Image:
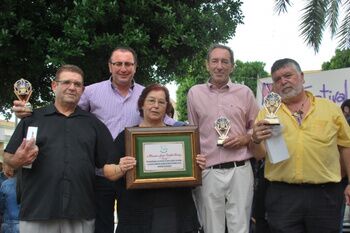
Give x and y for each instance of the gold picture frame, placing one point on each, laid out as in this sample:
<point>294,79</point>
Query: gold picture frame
<point>166,157</point>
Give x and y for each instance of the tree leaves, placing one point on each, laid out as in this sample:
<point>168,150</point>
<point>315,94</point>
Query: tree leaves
<point>317,14</point>
<point>340,60</point>
<point>38,36</point>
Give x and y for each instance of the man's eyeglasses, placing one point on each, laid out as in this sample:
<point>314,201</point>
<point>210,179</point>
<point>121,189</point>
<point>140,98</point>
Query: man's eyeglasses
<point>68,83</point>
<point>120,64</point>
<point>153,101</point>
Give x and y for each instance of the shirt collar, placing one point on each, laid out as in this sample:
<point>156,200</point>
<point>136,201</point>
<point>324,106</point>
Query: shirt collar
<point>51,110</point>
<point>131,87</point>
<point>227,85</point>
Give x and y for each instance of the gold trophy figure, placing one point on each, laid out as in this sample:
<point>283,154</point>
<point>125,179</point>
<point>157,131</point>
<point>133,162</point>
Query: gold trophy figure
<point>222,127</point>
<point>23,90</point>
<point>272,102</point>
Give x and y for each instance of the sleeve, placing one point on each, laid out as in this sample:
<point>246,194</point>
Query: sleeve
<point>168,120</point>
<point>191,112</point>
<point>17,137</point>
<point>343,129</point>
<point>105,147</point>
<point>84,102</point>
<point>252,111</point>
<point>2,199</point>
<point>119,143</point>
<point>261,115</point>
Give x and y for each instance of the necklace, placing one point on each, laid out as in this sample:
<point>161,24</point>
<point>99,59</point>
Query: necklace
<point>299,113</point>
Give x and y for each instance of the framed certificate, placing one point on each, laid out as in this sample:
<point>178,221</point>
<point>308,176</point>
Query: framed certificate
<point>166,157</point>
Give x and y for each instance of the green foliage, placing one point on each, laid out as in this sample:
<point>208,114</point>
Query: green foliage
<point>319,14</point>
<point>248,73</point>
<point>38,36</point>
<point>181,97</point>
<point>245,72</point>
<point>340,60</point>
<point>196,74</point>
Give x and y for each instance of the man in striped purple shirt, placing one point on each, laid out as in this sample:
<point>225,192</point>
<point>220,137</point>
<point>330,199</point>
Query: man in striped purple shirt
<point>114,102</point>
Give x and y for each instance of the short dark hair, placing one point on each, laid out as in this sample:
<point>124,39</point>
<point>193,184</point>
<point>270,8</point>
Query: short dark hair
<point>71,68</point>
<point>220,46</point>
<point>171,110</point>
<point>346,103</point>
<point>124,48</point>
<point>285,62</point>
<point>147,90</point>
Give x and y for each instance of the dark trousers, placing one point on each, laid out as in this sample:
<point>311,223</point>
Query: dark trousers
<point>293,208</point>
<point>344,181</point>
<point>105,194</point>
<point>259,211</point>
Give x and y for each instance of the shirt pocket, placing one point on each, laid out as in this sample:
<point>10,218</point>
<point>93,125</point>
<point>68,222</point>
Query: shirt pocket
<point>321,131</point>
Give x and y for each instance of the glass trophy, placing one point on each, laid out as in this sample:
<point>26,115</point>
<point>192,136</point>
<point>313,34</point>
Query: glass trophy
<point>222,127</point>
<point>23,90</point>
<point>272,102</point>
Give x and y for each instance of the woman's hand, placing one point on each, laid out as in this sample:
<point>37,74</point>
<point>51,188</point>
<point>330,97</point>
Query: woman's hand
<point>115,171</point>
<point>201,161</point>
<point>127,163</point>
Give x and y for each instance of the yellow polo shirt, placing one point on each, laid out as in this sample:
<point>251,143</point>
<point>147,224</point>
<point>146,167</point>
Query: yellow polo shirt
<point>312,146</point>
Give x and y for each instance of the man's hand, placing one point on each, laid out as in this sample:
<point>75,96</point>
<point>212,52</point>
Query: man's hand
<point>8,171</point>
<point>201,161</point>
<point>237,141</point>
<point>347,194</point>
<point>261,131</point>
<point>25,154</point>
<point>20,110</point>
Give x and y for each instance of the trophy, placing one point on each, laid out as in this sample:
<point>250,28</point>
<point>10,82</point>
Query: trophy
<point>23,91</point>
<point>222,127</point>
<point>272,102</point>
<point>276,147</point>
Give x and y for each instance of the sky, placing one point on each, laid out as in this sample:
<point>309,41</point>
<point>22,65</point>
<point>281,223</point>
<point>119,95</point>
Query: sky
<point>266,36</point>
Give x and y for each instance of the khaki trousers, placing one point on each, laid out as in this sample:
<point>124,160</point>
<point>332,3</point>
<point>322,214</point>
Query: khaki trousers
<point>225,193</point>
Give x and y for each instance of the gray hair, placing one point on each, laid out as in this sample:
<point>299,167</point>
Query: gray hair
<point>285,62</point>
<point>220,46</point>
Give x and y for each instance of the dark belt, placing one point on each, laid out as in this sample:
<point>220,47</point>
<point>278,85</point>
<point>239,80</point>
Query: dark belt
<point>229,165</point>
<point>303,184</point>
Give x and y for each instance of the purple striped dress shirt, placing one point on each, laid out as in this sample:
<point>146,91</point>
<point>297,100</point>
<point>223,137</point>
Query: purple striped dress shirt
<point>113,109</point>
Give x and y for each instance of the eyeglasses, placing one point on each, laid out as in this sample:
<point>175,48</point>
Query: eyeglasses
<point>153,101</point>
<point>68,83</point>
<point>120,64</point>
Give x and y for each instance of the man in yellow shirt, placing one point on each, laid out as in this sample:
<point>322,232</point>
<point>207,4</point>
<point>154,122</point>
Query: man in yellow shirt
<point>304,194</point>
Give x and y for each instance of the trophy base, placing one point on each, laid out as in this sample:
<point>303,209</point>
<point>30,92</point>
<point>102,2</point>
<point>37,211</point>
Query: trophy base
<point>220,142</point>
<point>272,121</point>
